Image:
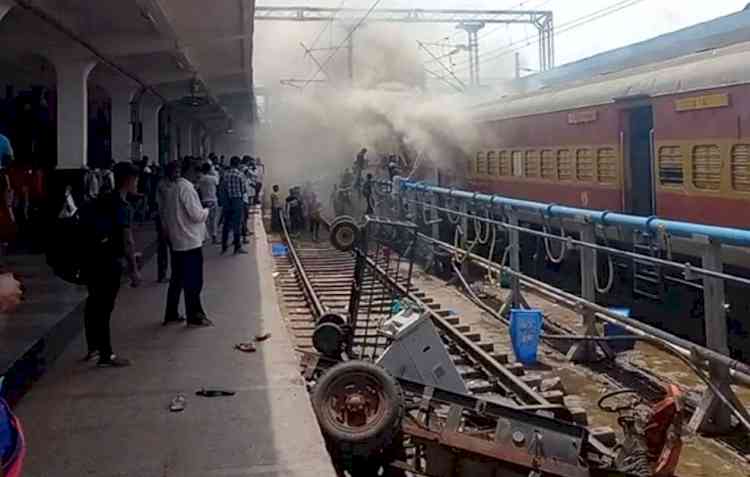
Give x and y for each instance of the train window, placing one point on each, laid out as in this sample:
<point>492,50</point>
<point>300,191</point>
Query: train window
<point>492,167</point>
<point>531,164</point>
<point>606,165</point>
<point>741,167</point>
<point>584,165</point>
<point>481,164</point>
<point>549,166</point>
<point>517,163</point>
<point>670,166</point>
<point>505,164</point>
<point>707,167</point>
<point>564,166</point>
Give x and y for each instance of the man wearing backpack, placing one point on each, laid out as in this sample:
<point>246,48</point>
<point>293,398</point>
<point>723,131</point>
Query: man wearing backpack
<point>111,217</point>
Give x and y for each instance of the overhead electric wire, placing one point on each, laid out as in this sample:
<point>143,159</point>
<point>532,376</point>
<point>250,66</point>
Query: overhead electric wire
<point>341,45</point>
<point>564,28</point>
<point>327,25</point>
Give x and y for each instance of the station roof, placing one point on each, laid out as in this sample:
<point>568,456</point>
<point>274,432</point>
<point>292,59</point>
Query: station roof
<point>167,44</point>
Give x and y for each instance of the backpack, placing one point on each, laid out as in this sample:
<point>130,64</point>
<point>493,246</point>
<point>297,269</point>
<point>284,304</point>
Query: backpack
<point>79,241</point>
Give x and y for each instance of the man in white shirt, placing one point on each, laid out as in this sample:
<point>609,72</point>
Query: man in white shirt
<point>185,221</point>
<point>207,185</point>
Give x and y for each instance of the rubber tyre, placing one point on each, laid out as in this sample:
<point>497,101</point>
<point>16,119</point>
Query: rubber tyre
<point>329,339</point>
<point>339,218</point>
<point>344,235</point>
<point>334,318</point>
<point>374,437</point>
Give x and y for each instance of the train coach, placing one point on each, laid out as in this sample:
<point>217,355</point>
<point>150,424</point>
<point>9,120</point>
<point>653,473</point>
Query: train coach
<point>670,139</point>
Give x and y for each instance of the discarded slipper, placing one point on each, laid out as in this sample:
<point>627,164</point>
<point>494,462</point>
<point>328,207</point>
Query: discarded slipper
<point>262,338</point>
<point>245,347</point>
<point>214,393</point>
<point>178,403</point>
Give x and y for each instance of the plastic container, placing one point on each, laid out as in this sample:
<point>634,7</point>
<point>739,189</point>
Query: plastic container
<point>279,250</point>
<point>525,332</point>
<point>611,329</point>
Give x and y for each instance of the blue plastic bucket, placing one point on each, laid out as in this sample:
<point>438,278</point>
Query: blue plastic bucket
<point>611,329</point>
<point>279,250</point>
<point>525,332</point>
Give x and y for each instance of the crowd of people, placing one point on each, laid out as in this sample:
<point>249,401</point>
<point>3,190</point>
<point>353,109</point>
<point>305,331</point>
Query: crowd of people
<point>190,200</point>
<point>300,210</point>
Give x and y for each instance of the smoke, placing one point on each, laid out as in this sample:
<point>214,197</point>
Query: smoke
<point>314,134</point>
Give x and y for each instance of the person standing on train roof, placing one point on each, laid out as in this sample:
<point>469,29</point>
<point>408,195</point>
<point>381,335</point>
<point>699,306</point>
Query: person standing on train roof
<point>360,164</point>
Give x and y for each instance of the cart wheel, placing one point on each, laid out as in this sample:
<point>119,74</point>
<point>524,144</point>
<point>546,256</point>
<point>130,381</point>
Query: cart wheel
<point>334,318</point>
<point>329,339</point>
<point>344,234</point>
<point>359,407</point>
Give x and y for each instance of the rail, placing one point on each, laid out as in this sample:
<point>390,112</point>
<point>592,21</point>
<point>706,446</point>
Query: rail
<point>318,308</point>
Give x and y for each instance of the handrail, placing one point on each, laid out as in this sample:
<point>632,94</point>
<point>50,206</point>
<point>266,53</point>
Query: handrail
<point>652,225</point>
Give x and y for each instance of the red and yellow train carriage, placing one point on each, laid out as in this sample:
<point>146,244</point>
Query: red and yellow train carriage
<point>670,139</point>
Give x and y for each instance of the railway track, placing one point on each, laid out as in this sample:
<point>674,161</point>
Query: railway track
<point>316,271</point>
<point>488,372</point>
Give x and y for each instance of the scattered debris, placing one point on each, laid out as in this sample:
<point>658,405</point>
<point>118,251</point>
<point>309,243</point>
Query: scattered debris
<point>275,274</point>
<point>262,338</point>
<point>203,392</point>
<point>178,403</point>
<point>245,347</point>
<point>551,384</point>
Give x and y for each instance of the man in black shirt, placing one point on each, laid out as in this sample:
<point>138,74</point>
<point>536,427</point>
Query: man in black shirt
<point>294,211</point>
<point>113,216</point>
<point>367,193</point>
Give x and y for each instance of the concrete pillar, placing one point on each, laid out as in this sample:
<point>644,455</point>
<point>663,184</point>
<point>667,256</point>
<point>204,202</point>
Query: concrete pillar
<point>72,112</point>
<point>174,139</point>
<point>150,121</point>
<point>186,138</point>
<point>122,129</point>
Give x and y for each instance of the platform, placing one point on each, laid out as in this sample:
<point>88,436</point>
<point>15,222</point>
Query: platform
<point>82,420</point>
<point>37,332</point>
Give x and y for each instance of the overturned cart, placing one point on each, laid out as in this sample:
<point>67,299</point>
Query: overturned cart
<point>406,409</point>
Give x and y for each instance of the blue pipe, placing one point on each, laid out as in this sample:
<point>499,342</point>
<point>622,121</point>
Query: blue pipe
<point>725,235</point>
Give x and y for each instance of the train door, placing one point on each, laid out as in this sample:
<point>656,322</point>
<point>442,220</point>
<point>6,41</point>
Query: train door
<point>640,163</point>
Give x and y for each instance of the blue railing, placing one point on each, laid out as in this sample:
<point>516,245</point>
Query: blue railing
<point>653,225</point>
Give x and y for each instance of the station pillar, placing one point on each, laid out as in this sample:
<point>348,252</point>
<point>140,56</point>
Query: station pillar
<point>150,122</point>
<point>122,127</point>
<point>186,138</point>
<point>72,113</point>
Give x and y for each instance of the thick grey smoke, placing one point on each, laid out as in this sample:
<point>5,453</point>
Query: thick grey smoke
<point>315,133</point>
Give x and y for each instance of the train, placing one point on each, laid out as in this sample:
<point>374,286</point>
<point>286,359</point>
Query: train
<point>668,136</point>
<point>671,139</point>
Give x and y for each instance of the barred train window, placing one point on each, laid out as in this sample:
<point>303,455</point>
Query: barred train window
<point>492,163</point>
<point>549,165</point>
<point>584,165</point>
<point>517,163</point>
<point>531,164</point>
<point>481,164</point>
<point>505,164</point>
<point>606,165</point>
<point>707,167</point>
<point>564,166</point>
<point>741,167</point>
<point>670,166</point>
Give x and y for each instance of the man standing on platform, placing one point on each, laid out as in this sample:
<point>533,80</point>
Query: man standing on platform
<point>111,216</point>
<point>185,220</point>
<point>233,191</point>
